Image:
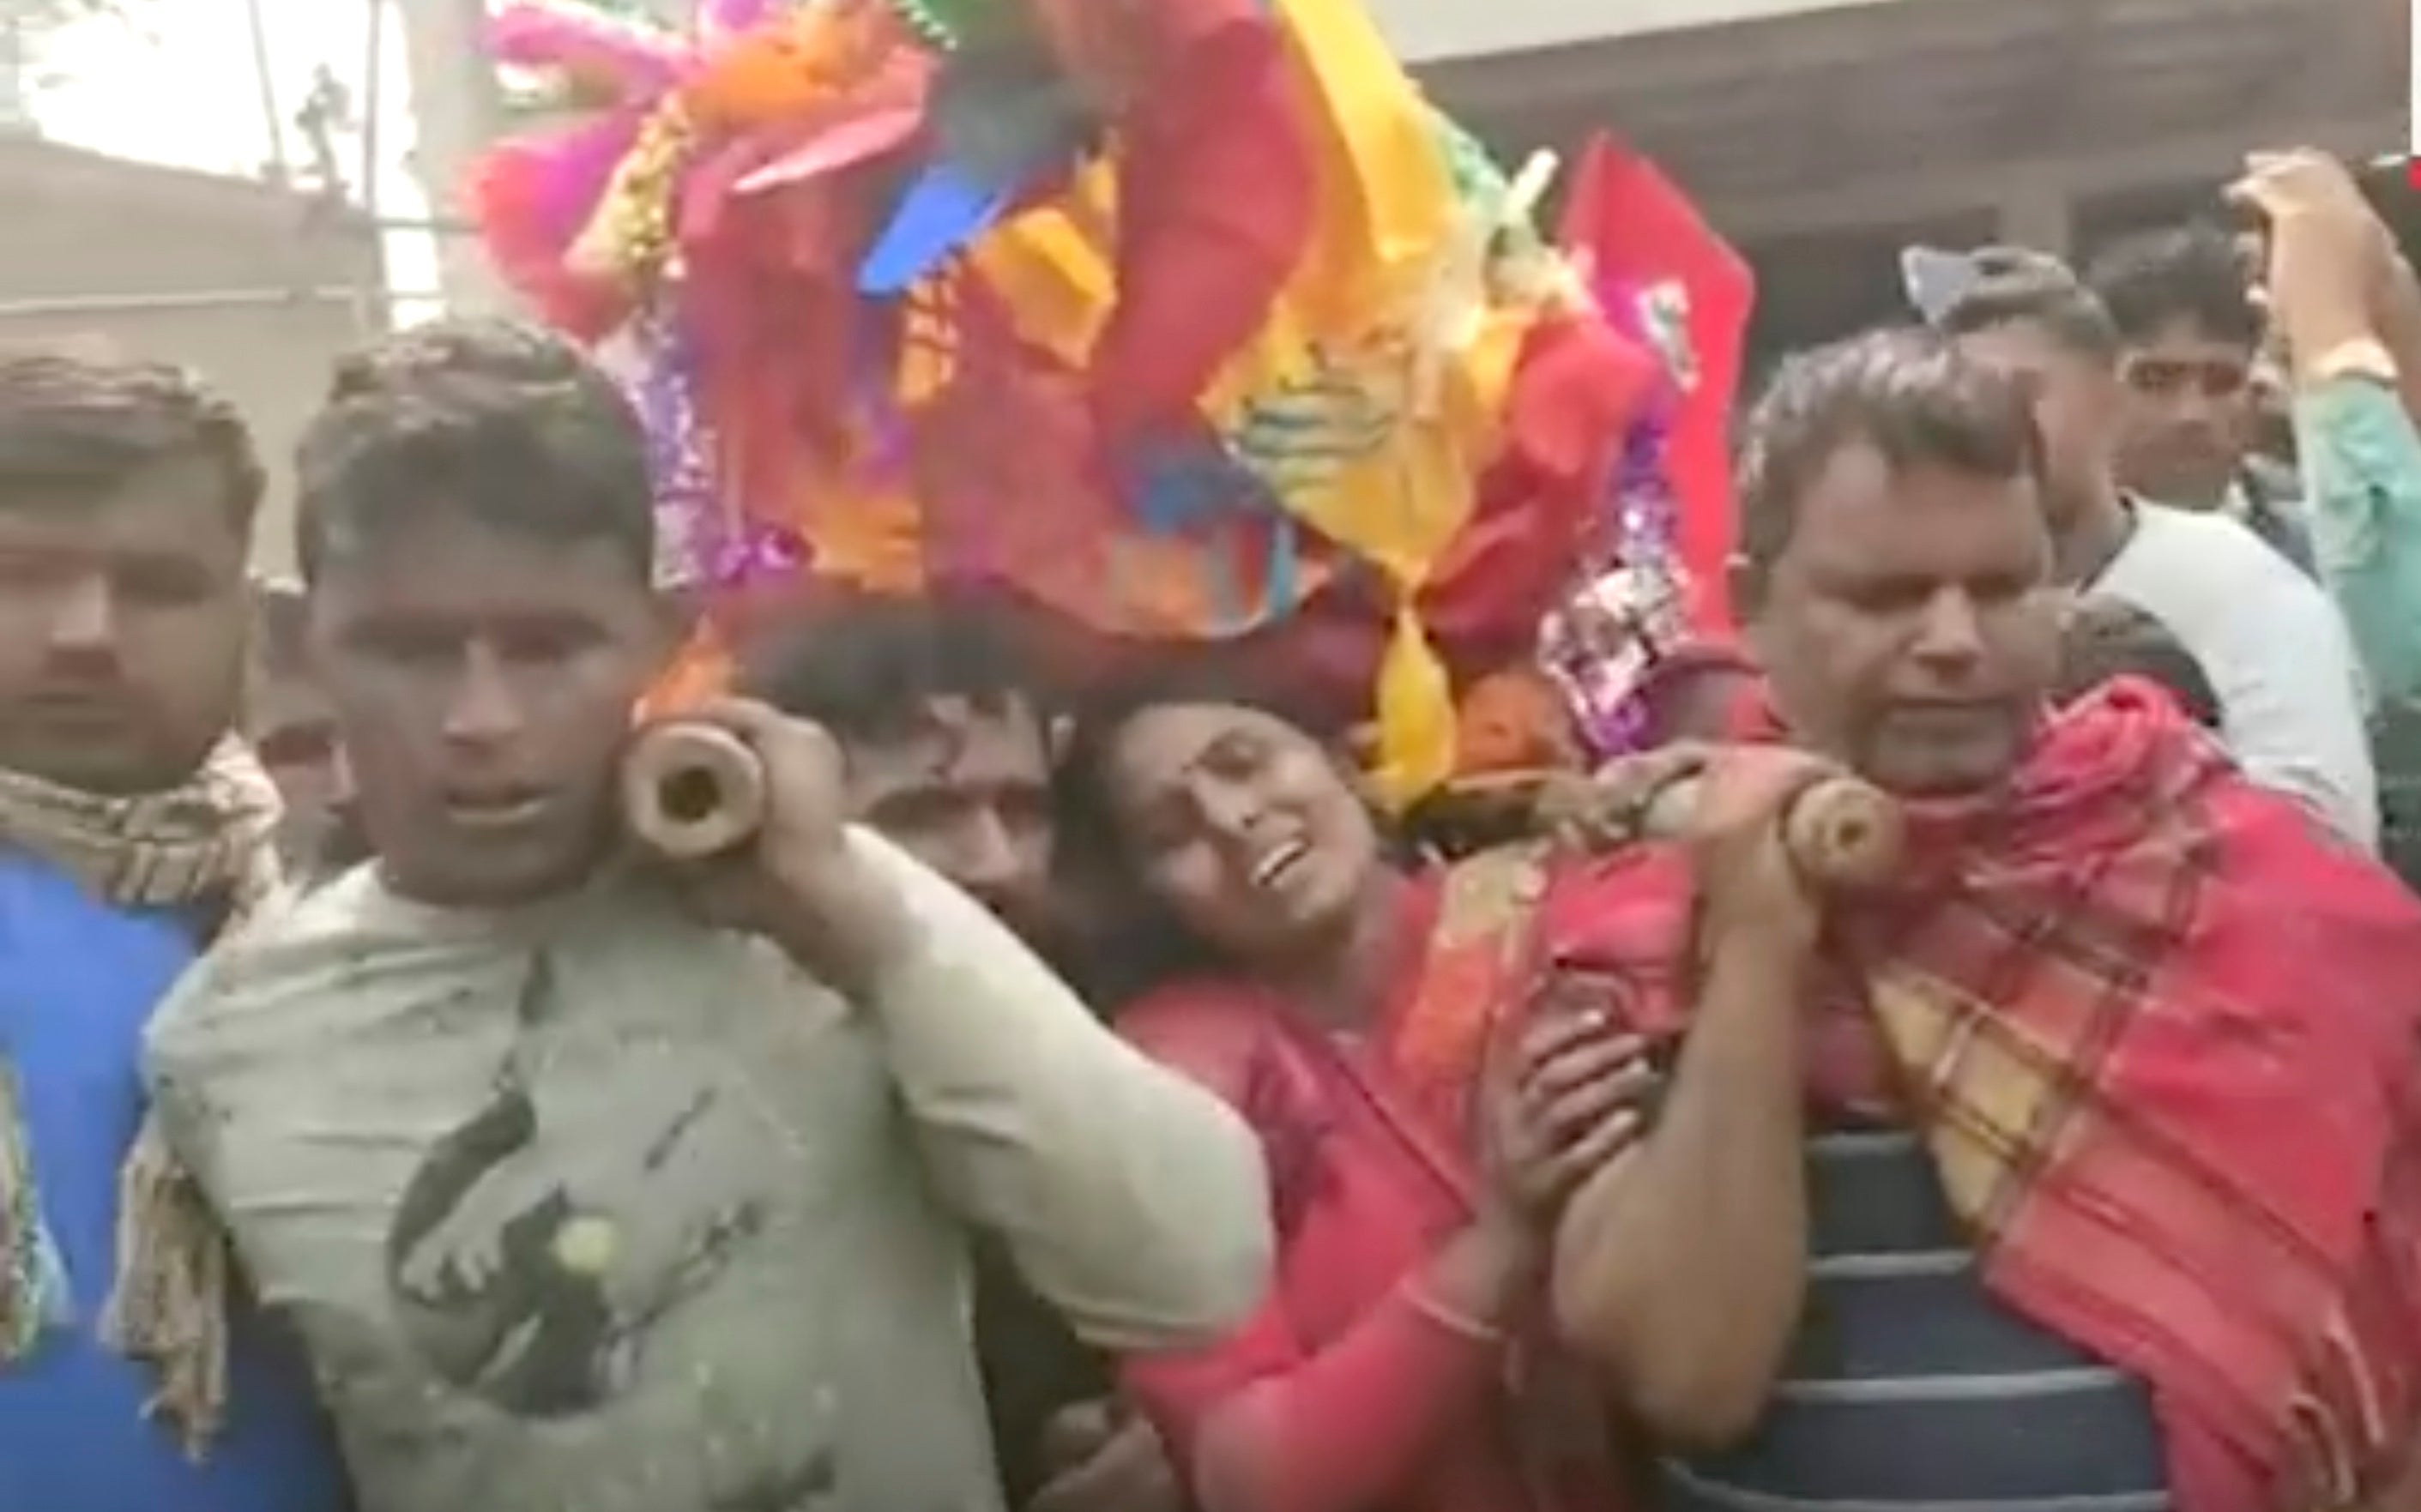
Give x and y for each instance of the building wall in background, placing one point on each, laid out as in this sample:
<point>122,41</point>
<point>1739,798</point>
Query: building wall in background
<point>258,287</point>
<point>1820,137</point>
<point>1428,31</point>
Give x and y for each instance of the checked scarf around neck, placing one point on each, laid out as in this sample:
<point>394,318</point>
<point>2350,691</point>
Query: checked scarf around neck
<point>208,846</point>
<point>2158,1030</point>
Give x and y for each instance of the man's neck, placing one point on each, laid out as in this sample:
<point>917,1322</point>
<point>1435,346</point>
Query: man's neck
<point>537,899</point>
<point>2093,539</point>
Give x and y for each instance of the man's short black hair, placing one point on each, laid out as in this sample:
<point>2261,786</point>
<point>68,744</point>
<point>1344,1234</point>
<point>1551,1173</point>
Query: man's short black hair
<point>499,420</point>
<point>1906,392</point>
<point>2106,637</point>
<point>869,669</point>
<point>84,418</point>
<point>2189,274</point>
<point>2016,285</point>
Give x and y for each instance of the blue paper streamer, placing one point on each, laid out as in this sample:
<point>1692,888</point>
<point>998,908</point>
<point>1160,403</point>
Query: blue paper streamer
<point>1177,490</point>
<point>943,210</point>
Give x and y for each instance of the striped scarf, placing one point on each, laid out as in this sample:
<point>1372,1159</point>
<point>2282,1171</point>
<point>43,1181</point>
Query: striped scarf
<point>207,845</point>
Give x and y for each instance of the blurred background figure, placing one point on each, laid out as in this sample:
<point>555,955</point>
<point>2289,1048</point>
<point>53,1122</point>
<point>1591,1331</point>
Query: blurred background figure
<point>2106,637</point>
<point>292,732</point>
<point>2265,632</point>
<point>2191,337</point>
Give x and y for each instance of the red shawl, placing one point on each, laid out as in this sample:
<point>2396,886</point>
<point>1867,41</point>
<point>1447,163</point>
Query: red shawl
<point>2163,1033</point>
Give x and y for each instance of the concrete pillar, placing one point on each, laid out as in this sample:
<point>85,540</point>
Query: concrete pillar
<point>16,73</point>
<point>456,110</point>
<point>2037,211</point>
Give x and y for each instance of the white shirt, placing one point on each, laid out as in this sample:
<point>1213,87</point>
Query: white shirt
<point>2293,703</point>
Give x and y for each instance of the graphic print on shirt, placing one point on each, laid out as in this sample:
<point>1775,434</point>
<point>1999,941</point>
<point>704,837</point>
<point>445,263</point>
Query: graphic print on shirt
<point>539,1241</point>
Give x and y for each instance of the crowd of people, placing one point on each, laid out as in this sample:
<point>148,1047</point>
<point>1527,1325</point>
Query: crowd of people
<point>1087,1100</point>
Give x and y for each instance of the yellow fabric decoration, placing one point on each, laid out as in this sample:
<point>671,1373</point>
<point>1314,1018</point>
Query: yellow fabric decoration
<point>1052,266</point>
<point>629,238</point>
<point>928,346</point>
<point>1368,402</point>
<point>1417,736</point>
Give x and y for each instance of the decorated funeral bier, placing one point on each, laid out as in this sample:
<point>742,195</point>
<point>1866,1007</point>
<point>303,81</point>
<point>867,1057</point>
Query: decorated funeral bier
<point>1178,320</point>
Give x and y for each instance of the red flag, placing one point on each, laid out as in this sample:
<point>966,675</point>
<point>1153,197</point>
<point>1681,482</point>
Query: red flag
<point>1641,231</point>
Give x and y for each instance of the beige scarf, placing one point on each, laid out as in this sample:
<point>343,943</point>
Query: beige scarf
<point>209,845</point>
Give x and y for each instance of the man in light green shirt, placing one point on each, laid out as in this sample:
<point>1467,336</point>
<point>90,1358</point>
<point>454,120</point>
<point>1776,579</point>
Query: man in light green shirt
<point>2362,463</point>
<point>595,1184</point>
<point>2345,307</point>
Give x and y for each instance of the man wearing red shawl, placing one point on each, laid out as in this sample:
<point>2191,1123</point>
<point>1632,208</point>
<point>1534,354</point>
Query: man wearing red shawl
<point>2078,1168</point>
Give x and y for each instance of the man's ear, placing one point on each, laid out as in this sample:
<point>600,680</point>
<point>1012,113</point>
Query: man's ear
<point>1745,582</point>
<point>1749,583</point>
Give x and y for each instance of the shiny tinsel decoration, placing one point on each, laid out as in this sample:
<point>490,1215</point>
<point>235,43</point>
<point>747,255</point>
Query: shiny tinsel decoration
<point>1631,609</point>
<point>1602,642</point>
<point>680,457</point>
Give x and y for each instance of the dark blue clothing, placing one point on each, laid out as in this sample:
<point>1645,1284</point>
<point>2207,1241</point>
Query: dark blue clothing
<point>1910,1385</point>
<point>79,979</point>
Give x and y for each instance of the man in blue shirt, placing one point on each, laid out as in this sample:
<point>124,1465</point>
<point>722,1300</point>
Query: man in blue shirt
<point>133,829</point>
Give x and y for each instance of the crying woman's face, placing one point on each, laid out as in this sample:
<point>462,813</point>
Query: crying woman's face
<point>1243,827</point>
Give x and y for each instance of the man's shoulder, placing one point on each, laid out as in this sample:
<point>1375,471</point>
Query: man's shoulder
<point>2213,560</point>
<point>299,935</point>
<point>349,959</point>
<point>2170,530</point>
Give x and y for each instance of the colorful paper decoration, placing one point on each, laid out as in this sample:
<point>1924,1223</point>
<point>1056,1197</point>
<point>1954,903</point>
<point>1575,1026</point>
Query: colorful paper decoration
<point>1164,314</point>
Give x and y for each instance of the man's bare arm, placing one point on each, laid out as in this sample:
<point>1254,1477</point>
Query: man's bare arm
<point>1679,1268</point>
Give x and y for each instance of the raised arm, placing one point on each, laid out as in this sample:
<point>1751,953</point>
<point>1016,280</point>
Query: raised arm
<point>2362,472</point>
<point>1131,1200</point>
<point>1128,1197</point>
<point>2347,308</point>
<point>1679,1270</point>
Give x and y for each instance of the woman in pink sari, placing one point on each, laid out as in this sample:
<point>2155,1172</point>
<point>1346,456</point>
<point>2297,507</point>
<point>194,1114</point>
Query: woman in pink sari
<point>1424,1106</point>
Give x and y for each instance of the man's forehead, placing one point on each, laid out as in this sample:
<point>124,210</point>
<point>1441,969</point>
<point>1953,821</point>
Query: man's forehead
<point>1862,512</point>
<point>957,741</point>
<point>502,577</point>
<point>2184,338</point>
<point>176,505</point>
